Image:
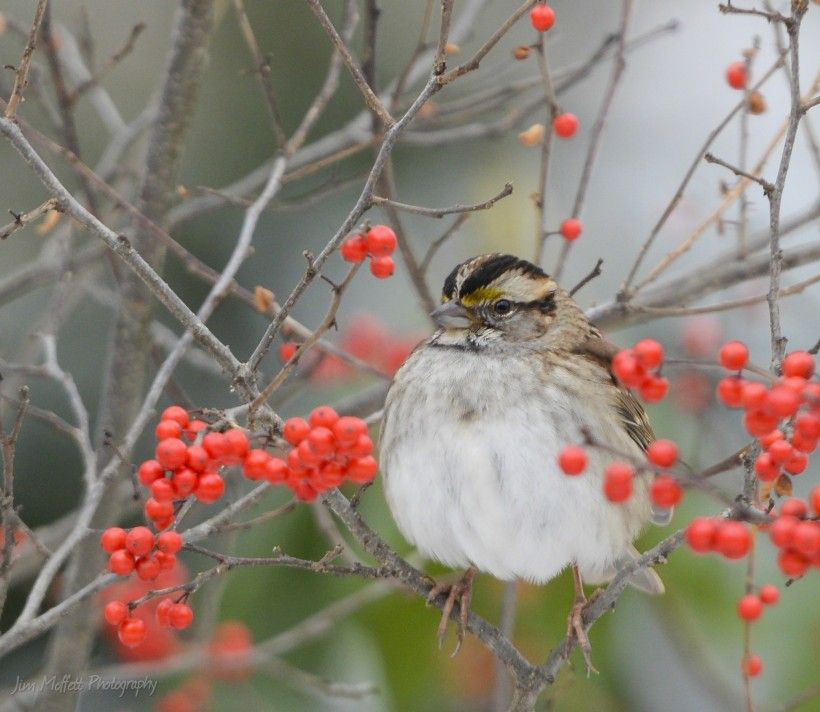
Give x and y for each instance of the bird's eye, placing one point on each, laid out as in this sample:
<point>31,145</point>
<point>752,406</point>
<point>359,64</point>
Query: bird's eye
<point>502,306</point>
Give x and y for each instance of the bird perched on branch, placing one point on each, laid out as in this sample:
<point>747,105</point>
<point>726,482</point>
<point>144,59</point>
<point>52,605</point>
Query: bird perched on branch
<point>473,426</point>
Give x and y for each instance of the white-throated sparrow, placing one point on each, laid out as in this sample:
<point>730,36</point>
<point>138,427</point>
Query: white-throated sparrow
<point>475,420</point>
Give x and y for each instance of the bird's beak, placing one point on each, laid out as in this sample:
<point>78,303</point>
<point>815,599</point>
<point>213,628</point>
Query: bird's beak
<point>451,315</point>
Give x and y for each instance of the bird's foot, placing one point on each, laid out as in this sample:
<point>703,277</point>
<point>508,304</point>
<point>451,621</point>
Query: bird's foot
<point>461,591</point>
<point>576,629</point>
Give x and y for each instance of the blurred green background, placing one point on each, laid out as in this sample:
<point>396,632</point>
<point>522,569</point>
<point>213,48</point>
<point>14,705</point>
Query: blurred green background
<point>677,652</point>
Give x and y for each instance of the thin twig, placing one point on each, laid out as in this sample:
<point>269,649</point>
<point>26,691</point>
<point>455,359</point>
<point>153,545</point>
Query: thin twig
<point>21,76</point>
<point>22,219</point>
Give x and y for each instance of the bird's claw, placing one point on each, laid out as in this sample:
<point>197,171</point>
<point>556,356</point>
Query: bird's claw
<point>576,629</point>
<point>461,591</point>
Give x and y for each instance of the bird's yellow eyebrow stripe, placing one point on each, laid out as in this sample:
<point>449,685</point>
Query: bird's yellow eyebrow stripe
<point>482,294</point>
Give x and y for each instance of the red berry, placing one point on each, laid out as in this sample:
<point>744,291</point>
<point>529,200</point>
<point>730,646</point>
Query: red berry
<point>163,490</point>
<point>792,563</point>
<point>618,482</point>
<point>662,453</point>
<point>793,508</point>
<point>163,612</point>
<point>752,666</point>
<point>781,531</point>
<point>180,615</point>
<point>571,229</point>
<point>765,469</point>
<point>237,442</point>
<point>362,469</point>
<point>197,458</point>
<point>769,594</point>
<point>381,241</point>
<point>649,353</point>
<point>184,481</point>
<point>780,451</point>
<point>158,511</point>
<point>733,355</point>
<point>628,369</point>
<point>565,125</point>
<point>171,453</point>
<point>736,75</point>
<point>177,413</point>
<point>276,470</point>
<point>287,351</point>
<point>572,460</point>
<point>139,541</point>
<point>295,430</point>
<point>121,562</point>
<point>701,534</point>
<point>321,441</point>
<point>255,464</point>
<point>307,454</point>
<point>361,448</point>
<point>542,17</point>
<point>730,391</point>
<point>147,568</point>
<point>194,428</point>
<point>303,491</point>
<point>149,471</point>
<point>323,417</point>
<point>814,497</point>
<point>767,440</point>
<point>209,488</point>
<point>382,267</point>
<point>665,491</point>
<point>131,632</point>
<point>782,401</point>
<point>347,429</point>
<point>115,612</point>
<point>807,537</point>
<point>167,429</point>
<point>169,542</point>
<point>749,607</point>
<point>759,422</point>
<point>802,443</point>
<point>808,425</point>
<point>353,249</point>
<point>733,540</point>
<point>166,561</point>
<point>797,463</point>
<point>653,389</point>
<point>215,445</point>
<point>753,395</point>
<point>112,539</point>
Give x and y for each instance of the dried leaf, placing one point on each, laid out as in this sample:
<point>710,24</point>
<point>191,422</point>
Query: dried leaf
<point>451,48</point>
<point>48,223</point>
<point>783,486</point>
<point>262,299</point>
<point>533,136</point>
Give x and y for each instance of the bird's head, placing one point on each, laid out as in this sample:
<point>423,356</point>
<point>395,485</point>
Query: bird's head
<point>502,297</point>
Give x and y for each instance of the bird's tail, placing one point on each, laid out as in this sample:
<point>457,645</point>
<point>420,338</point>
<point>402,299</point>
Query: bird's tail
<point>644,579</point>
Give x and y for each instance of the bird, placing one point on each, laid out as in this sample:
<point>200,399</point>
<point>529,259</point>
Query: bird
<point>474,422</point>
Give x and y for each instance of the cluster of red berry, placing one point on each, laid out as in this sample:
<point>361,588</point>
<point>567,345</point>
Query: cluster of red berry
<point>364,337</point>
<point>729,538</point>
<point>228,659</point>
<point>135,631</point>
<point>179,470</point>
<point>765,408</point>
<point>618,476</point>
<point>797,535</point>
<point>638,368</point>
<point>379,242</point>
<point>327,449</point>
<point>140,550</point>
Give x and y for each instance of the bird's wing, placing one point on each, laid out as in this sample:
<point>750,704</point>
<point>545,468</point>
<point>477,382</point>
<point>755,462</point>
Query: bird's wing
<point>633,415</point>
